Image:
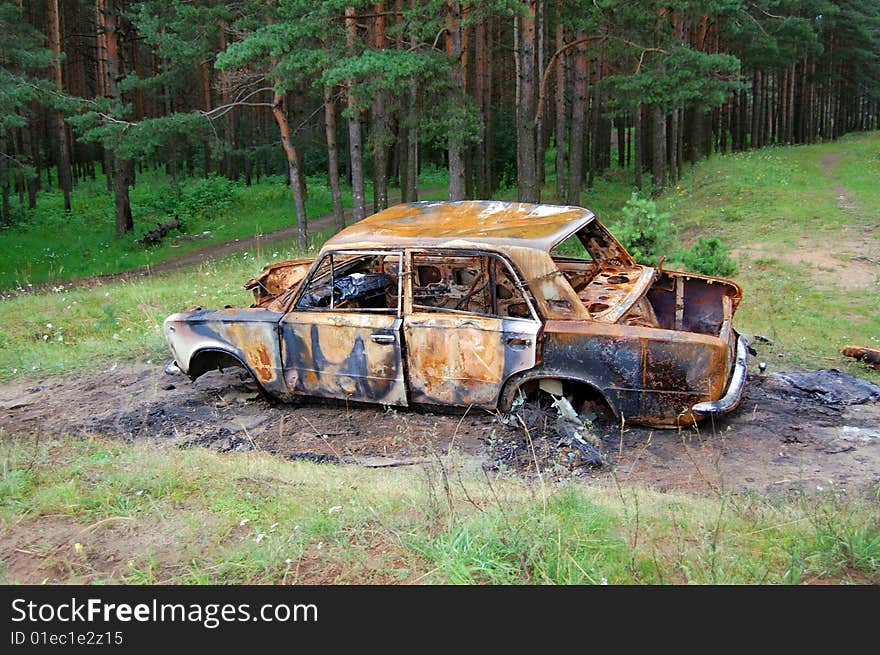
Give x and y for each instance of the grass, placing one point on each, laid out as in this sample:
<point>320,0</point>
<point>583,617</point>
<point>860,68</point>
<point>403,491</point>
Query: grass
<point>194,516</point>
<point>48,245</point>
<point>71,328</point>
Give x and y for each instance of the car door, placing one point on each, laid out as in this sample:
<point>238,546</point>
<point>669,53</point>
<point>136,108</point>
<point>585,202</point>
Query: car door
<point>467,327</point>
<point>342,336</point>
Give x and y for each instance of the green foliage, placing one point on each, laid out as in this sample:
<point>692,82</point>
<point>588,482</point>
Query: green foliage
<point>645,232</point>
<point>23,58</point>
<point>682,78</point>
<point>146,138</point>
<point>201,198</point>
<point>709,256</point>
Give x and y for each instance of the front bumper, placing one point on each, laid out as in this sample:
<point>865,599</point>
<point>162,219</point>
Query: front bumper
<point>732,397</point>
<point>171,368</point>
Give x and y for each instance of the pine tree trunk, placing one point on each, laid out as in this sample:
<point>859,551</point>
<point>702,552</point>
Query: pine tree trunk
<point>757,111</point>
<point>411,192</point>
<point>541,134</point>
<point>465,37</point>
<point>230,169</point>
<point>122,173</point>
<point>480,94</point>
<point>293,171</point>
<point>658,170</point>
<point>673,148</point>
<point>34,179</point>
<point>455,139</point>
<point>578,122</point>
<point>526,129</point>
<point>402,126</point>
<point>355,141</point>
<point>488,149</point>
<point>333,158</point>
<point>5,209</point>
<point>381,133</point>
<point>560,106</point>
<point>638,146</point>
<point>53,20</point>
<point>205,71</point>
<point>595,130</point>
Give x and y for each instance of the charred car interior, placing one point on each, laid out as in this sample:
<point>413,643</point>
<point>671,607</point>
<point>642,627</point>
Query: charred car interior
<point>473,303</point>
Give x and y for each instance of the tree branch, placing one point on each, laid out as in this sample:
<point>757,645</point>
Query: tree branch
<point>542,96</point>
<point>241,101</point>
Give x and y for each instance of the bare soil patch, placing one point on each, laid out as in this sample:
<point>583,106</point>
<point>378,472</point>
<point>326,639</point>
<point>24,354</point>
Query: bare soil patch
<point>780,439</point>
<point>852,260</point>
<point>847,264</point>
<point>56,549</point>
<point>845,199</point>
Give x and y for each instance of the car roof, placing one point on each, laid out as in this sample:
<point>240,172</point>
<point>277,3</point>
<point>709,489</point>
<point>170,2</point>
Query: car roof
<point>489,224</point>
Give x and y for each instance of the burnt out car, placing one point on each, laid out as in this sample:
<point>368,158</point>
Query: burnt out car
<point>471,304</point>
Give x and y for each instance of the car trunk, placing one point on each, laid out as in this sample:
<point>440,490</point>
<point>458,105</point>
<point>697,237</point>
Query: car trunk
<point>693,303</point>
<point>636,295</point>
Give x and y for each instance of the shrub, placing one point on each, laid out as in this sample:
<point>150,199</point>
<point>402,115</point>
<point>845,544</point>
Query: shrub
<point>199,198</point>
<point>646,233</point>
<point>708,256</point>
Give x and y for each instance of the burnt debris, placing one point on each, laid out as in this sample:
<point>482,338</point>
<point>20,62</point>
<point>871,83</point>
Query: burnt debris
<point>831,387</point>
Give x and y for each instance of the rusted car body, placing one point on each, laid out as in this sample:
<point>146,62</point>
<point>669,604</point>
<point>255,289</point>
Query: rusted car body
<point>469,304</point>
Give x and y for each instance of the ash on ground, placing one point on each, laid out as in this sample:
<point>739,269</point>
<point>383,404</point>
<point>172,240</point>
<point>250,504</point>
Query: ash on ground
<point>549,437</point>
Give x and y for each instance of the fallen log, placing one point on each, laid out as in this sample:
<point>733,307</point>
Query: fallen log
<point>154,237</point>
<point>870,356</point>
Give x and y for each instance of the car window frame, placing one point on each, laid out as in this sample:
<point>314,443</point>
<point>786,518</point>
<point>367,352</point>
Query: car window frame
<point>410,307</point>
<point>398,312</point>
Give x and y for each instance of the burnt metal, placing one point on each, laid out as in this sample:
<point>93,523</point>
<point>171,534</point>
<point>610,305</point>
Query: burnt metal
<point>831,387</point>
<point>360,287</point>
<point>466,303</point>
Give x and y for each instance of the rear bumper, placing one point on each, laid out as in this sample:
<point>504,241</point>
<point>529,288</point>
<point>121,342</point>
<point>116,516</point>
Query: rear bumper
<point>171,368</point>
<point>732,397</point>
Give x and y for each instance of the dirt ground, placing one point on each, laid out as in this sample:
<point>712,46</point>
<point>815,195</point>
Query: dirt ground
<point>780,439</point>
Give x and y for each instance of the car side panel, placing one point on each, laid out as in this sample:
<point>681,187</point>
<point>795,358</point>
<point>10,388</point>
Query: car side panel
<point>464,359</point>
<point>651,376</point>
<point>250,335</point>
<point>345,355</point>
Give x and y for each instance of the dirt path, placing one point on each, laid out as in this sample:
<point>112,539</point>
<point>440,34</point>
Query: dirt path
<point>844,200</point>
<point>779,440</point>
<point>853,257</point>
<point>205,253</point>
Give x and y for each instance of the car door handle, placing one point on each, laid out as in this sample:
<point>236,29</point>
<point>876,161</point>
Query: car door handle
<point>383,338</point>
<point>518,342</point>
<point>468,324</point>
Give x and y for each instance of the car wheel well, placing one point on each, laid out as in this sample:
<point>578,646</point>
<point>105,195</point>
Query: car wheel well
<point>212,359</point>
<point>577,391</point>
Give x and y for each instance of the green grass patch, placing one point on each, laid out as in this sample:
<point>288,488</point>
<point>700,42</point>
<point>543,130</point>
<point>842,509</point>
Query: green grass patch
<point>48,245</point>
<point>195,517</point>
<point>794,241</point>
<point>72,328</point>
